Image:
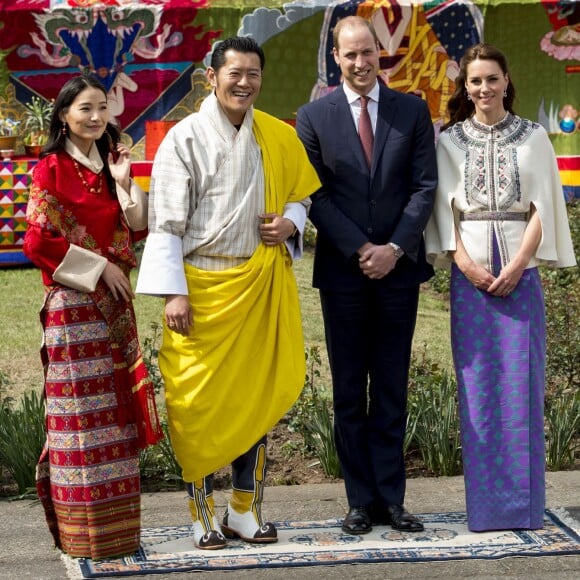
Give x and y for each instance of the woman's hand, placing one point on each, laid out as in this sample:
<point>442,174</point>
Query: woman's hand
<point>507,280</point>
<point>121,167</point>
<point>117,282</point>
<point>511,273</point>
<point>178,314</point>
<point>477,275</point>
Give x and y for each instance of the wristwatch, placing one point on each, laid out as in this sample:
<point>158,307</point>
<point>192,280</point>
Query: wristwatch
<point>397,250</point>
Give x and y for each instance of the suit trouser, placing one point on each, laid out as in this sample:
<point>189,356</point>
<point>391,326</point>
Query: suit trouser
<point>369,334</point>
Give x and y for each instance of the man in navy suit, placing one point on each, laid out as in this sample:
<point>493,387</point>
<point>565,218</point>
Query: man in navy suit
<point>368,266</point>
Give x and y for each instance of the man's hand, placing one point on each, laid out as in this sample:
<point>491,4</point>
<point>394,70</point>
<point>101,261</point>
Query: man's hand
<point>275,229</point>
<point>376,261</point>
<point>178,314</point>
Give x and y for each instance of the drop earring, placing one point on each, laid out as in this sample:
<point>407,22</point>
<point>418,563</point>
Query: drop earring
<point>468,96</point>
<point>505,94</point>
<point>63,129</point>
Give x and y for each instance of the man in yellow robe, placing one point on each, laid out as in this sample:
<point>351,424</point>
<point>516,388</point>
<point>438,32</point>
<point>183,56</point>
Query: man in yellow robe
<point>229,198</point>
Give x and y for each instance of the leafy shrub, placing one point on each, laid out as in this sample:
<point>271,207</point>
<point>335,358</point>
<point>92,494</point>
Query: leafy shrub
<point>562,297</point>
<point>562,428</point>
<point>433,417</point>
<point>158,462</point>
<point>4,382</point>
<point>437,432</point>
<point>311,416</point>
<point>309,237</point>
<point>22,437</point>
<point>304,407</point>
<point>150,350</point>
<point>440,282</point>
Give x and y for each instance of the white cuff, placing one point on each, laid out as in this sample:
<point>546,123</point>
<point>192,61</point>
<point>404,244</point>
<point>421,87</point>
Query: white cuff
<point>161,272</point>
<point>80,269</point>
<point>296,212</point>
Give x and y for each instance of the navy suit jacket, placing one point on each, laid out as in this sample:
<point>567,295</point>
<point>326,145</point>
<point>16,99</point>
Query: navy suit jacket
<point>390,202</point>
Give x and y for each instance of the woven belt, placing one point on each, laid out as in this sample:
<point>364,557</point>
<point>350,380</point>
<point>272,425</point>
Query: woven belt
<point>511,216</point>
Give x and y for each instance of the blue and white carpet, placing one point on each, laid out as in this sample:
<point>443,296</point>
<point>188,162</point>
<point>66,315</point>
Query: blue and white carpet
<point>312,543</point>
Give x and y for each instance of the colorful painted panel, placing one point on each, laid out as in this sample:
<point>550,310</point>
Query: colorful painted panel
<point>569,167</point>
<point>14,182</point>
<point>152,54</point>
<point>141,172</point>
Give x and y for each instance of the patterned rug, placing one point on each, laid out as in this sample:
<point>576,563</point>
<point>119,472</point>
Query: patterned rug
<point>446,537</point>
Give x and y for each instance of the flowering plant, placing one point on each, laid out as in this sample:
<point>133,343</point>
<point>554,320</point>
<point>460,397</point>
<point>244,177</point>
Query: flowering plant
<point>37,121</point>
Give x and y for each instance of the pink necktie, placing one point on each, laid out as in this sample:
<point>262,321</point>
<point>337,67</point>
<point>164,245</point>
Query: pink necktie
<point>365,130</point>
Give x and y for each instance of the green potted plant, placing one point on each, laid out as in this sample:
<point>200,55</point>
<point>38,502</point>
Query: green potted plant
<point>36,123</point>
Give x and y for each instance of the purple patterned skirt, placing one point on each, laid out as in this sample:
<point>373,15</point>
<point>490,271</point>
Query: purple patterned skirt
<point>499,349</point>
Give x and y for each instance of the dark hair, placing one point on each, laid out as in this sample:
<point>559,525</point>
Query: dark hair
<point>56,139</point>
<point>459,106</point>
<point>243,44</point>
<point>353,22</point>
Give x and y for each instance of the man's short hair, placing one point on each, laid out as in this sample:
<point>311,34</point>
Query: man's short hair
<point>243,44</point>
<point>352,22</point>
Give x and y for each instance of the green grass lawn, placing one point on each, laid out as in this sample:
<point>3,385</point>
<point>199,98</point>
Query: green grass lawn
<point>21,293</point>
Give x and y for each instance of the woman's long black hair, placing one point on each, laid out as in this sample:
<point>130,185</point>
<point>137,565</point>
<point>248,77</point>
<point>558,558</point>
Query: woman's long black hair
<point>56,138</point>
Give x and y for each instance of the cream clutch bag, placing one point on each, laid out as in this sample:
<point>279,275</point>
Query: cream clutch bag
<point>80,269</point>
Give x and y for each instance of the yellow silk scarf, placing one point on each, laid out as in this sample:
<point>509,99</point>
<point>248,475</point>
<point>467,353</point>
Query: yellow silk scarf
<point>242,366</point>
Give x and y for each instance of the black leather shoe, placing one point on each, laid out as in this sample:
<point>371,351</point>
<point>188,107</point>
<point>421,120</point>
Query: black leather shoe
<point>357,521</point>
<point>400,519</point>
<point>380,516</point>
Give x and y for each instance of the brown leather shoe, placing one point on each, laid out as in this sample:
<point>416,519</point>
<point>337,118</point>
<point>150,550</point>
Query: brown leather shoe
<point>357,521</point>
<point>246,527</point>
<point>212,541</point>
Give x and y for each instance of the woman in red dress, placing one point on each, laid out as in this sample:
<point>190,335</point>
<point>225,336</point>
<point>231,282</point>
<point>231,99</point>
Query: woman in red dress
<point>82,212</point>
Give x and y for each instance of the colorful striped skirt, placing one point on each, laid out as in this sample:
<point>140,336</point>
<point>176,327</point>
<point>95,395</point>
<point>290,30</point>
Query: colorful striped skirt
<point>88,476</point>
<point>499,353</point>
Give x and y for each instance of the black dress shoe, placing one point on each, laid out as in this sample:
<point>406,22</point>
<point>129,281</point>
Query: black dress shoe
<point>357,521</point>
<point>400,519</point>
<point>380,516</point>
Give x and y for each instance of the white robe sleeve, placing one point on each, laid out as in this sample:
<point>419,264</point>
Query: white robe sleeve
<point>556,248</point>
<point>161,272</point>
<point>440,230</point>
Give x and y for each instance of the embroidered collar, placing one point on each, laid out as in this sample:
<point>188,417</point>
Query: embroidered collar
<point>93,161</point>
<point>510,131</point>
<point>496,126</point>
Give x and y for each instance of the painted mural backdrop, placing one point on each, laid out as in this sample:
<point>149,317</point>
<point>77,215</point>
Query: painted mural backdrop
<point>151,55</point>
